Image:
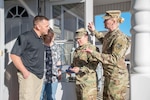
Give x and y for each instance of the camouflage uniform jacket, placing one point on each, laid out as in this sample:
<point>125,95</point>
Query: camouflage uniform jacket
<point>115,45</point>
<point>87,64</point>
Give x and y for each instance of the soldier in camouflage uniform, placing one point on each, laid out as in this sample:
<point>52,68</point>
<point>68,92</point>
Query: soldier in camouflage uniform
<point>84,65</point>
<point>115,45</point>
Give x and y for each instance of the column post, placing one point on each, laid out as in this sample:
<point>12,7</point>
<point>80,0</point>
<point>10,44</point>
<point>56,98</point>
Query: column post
<point>140,50</point>
<point>88,15</point>
<point>2,36</point>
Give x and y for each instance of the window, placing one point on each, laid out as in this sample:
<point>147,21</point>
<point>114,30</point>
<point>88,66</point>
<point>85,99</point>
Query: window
<point>66,22</point>
<point>17,12</point>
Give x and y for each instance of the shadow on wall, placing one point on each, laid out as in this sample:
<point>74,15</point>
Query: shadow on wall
<point>11,79</point>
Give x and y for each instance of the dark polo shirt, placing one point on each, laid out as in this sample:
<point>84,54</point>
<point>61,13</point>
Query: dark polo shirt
<point>31,50</point>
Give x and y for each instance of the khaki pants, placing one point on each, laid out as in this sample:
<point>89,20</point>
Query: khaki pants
<point>30,88</point>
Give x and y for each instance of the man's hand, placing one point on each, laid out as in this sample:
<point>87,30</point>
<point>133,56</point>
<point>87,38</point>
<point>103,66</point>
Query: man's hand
<point>26,74</point>
<point>19,65</point>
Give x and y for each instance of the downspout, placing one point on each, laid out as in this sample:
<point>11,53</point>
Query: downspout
<point>44,7</point>
<point>41,7</point>
<point>38,7</point>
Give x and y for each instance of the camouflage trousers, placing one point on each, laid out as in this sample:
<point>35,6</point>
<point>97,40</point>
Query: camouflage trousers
<point>115,88</point>
<point>86,92</point>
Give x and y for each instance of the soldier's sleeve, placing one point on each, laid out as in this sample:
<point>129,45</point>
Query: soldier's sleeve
<point>92,61</point>
<point>98,35</point>
<point>119,49</point>
<point>84,69</point>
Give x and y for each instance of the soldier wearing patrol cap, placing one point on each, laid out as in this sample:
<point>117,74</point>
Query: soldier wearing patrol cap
<point>84,65</point>
<point>115,45</point>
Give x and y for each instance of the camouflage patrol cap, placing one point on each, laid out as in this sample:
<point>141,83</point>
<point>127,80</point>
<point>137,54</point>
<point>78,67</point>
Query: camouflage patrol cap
<point>113,14</point>
<point>80,32</point>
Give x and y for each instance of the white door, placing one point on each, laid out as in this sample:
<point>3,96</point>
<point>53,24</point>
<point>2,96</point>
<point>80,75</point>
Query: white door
<point>15,24</point>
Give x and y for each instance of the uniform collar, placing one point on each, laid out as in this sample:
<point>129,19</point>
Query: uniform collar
<point>114,31</point>
<point>84,46</point>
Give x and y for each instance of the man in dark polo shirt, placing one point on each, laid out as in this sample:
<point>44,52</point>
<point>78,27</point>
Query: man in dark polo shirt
<point>28,57</point>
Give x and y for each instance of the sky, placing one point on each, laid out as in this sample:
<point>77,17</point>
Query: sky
<point>124,27</point>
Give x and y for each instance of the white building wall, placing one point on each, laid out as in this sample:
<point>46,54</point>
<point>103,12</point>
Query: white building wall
<point>2,32</point>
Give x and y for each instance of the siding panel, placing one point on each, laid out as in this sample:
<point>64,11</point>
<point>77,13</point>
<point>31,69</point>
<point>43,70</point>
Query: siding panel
<point>123,6</point>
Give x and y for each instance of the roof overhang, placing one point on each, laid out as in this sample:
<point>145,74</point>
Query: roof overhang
<point>105,2</point>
